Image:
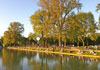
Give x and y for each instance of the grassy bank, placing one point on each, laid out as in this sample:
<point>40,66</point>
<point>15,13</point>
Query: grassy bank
<point>61,51</point>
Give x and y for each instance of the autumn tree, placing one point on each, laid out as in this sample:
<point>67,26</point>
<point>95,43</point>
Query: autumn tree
<point>87,26</point>
<point>32,38</point>
<point>40,25</point>
<point>58,11</point>
<point>69,29</point>
<point>13,34</point>
<point>73,26</point>
<point>7,38</point>
<point>98,7</point>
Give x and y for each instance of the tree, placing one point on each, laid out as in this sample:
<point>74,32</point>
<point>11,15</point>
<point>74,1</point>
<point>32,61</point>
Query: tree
<point>13,34</point>
<point>73,29</point>
<point>40,25</point>
<point>87,26</point>
<point>32,37</point>
<point>98,7</point>
<point>22,41</point>
<point>99,24</point>
<point>1,41</point>
<point>57,12</point>
<point>7,38</point>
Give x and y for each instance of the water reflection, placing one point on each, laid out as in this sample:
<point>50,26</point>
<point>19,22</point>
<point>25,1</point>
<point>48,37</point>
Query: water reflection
<point>17,60</point>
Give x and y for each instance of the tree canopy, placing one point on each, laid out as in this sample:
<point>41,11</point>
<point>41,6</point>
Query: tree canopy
<point>13,34</point>
<point>57,19</point>
<point>56,13</point>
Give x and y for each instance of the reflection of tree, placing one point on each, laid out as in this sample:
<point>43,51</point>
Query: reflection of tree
<point>93,65</point>
<point>13,60</point>
<point>44,62</point>
<point>37,62</point>
<point>10,60</point>
<point>0,53</point>
<point>74,63</point>
<point>60,62</point>
<point>48,62</point>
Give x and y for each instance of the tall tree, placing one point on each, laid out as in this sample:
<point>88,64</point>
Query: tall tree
<point>40,25</point>
<point>73,29</point>
<point>58,11</point>
<point>7,38</point>
<point>13,34</point>
<point>98,7</point>
<point>87,26</point>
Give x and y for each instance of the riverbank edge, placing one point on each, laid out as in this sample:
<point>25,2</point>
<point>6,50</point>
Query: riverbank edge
<point>60,53</point>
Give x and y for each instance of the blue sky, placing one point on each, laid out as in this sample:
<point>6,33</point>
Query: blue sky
<point>21,10</point>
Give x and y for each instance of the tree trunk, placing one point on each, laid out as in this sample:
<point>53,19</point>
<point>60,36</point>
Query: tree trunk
<point>60,41</point>
<point>78,43</point>
<point>42,39</point>
<point>83,43</point>
<point>43,42</point>
<point>60,35</point>
<point>65,43</point>
<point>60,62</point>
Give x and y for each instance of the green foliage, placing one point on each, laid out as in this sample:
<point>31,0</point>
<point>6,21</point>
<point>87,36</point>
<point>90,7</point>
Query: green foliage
<point>87,53</point>
<point>99,24</point>
<point>87,26</point>
<point>22,41</point>
<point>74,52</point>
<point>57,19</point>
<point>32,38</point>
<point>56,22</point>
<point>1,41</point>
<point>98,41</point>
<point>56,13</point>
<point>13,34</point>
<point>98,7</point>
<point>80,26</point>
<point>40,25</point>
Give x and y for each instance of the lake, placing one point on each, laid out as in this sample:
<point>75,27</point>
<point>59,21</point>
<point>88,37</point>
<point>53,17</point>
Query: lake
<point>18,60</point>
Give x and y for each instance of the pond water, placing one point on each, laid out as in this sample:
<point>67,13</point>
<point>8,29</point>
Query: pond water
<point>18,60</point>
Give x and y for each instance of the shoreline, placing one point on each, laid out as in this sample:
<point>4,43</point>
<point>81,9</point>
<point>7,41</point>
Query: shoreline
<point>52,52</point>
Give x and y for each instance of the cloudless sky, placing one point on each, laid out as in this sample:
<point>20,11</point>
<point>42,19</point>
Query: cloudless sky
<point>21,10</point>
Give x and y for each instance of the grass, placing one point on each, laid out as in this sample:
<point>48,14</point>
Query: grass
<point>81,48</point>
<point>58,51</point>
<point>74,52</point>
<point>65,51</point>
<point>98,54</point>
<point>87,53</point>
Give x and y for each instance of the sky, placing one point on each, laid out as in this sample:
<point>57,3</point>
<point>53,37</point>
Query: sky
<point>21,10</point>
